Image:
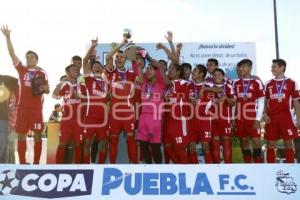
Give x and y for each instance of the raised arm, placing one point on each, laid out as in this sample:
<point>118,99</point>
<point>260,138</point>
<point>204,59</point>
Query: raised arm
<point>86,67</point>
<point>6,32</point>
<point>109,56</point>
<point>169,38</point>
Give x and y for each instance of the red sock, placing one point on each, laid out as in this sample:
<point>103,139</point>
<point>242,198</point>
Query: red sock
<point>102,157</point>
<point>182,155</point>
<point>132,149</point>
<point>166,157</point>
<point>37,152</point>
<point>22,151</point>
<point>216,150</point>
<point>271,156</point>
<point>60,154</point>
<point>208,158</point>
<point>227,150</point>
<point>289,155</point>
<point>87,159</point>
<point>113,149</point>
<point>171,154</point>
<point>193,158</point>
<point>78,153</point>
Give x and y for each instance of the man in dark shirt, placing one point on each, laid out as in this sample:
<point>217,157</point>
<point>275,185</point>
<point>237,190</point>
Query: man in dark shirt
<point>8,85</point>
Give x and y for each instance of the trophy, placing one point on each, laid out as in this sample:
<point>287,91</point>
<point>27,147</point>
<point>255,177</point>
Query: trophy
<point>132,51</point>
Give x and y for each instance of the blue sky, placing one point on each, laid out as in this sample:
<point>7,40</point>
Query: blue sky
<point>59,29</point>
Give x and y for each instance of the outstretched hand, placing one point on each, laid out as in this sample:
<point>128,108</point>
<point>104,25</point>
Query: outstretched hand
<point>169,36</point>
<point>6,31</point>
<point>94,42</point>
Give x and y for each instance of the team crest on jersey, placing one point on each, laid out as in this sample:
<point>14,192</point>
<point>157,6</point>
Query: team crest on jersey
<point>285,183</point>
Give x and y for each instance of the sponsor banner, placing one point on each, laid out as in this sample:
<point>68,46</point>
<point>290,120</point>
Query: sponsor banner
<point>226,182</point>
<point>227,53</point>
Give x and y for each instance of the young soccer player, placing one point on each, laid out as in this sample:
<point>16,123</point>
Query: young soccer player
<point>122,112</point>
<point>249,95</point>
<point>221,124</point>
<point>201,121</point>
<point>178,124</point>
<point>93,90</point>
<point>70,129</point>
<point>282,93</point>
<point>30,99</point>
<point>150,122</point>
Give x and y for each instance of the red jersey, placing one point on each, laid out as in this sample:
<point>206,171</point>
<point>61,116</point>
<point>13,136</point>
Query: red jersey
<point>94,92</point>
<point>179,98</point>
<point>277,103</point>
<point>70,101</point>
<point>122,87</point>
<point>25,98</point>
<point>205,102</point>
<point>246,92</point>
<point>223,111</point>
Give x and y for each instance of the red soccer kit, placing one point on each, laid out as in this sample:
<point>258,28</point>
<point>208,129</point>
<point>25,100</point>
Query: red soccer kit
<point>122,113</point>
<point>70,128</point>
<point>29,107</point>
<point>279,109</point>
<point>94,91</point>
<point>246,92</point>
<point>178,125</point>
<point>221,123</point>
<point>201,121</point>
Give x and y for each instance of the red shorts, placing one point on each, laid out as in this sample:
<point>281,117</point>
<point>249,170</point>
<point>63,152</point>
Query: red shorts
<point>177,132</point>
<point>125,123</point>
<point>70,131</point>
<point>244,128</point>
<point>281,126</point>
<point>94,125</point>
<point>221,128</point>
<point>29,119</point>
<point>201,130</point>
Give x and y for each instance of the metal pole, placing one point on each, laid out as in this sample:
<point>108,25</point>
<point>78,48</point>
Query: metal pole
<point>276,29</point>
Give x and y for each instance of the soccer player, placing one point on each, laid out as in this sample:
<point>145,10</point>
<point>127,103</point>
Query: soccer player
<point>201,121</point>
<point>282,93</point>
<point>178,126</point>
<point>150,122</point>
<point>122,112</point>
<point>221,124</point>
<point>70,129</point>
<point>29,103</point>
<point>249,95</point>
<point>93,90</point>
<point>212,64</point>
<point>187,70</point>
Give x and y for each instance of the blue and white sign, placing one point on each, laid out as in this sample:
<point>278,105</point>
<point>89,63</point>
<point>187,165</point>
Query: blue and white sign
<point>227,182</point>
<point>227,53</point>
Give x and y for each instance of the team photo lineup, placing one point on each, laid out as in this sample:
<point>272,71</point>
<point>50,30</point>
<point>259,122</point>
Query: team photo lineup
<point>165,108</point>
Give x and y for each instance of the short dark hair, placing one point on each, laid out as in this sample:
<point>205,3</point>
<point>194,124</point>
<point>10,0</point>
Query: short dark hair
<point>202,69</point>
<point>219,70</point>
<point>215,61</point>
<point>96,62</point>
<point>120,51</point>
<point>180,69</point>
<point>186,65</point>
<point>280,62</point>
<point>57,105</point>
<point>76,58</point>
<point>33,53</point>
<point>238,64</point>
<point>69,66</point>
<point>163,62</point>
<point>246,62</point>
